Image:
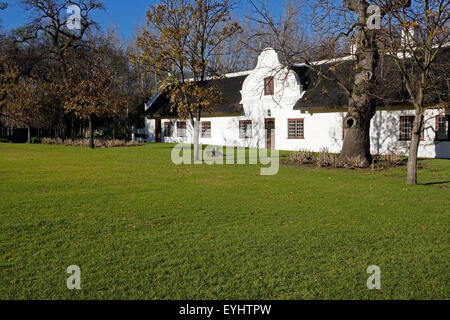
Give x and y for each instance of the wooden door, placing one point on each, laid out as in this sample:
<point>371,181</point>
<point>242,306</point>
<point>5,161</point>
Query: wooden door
<point>270,133</point>
<point>158,130</point>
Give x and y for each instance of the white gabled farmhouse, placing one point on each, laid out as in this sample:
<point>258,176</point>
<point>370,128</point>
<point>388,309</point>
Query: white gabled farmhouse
<point>291,109</point>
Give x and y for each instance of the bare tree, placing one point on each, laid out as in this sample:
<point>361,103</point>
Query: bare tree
<point>49,23</point>
<point>235,54</point>
<point>336,24</point>
<point>285,33</point>
<point>50,17</point>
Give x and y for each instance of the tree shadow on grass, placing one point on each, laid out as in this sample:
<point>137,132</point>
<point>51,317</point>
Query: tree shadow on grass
<point>432,183</point>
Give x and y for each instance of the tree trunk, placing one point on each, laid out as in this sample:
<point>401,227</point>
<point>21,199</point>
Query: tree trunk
<point>71,127</point>
<point>196,125</point>
<point>360,109</point>
<point>29,133</point>
<point>411,175</point>
<point>356,136</point>
<point>91,133</point>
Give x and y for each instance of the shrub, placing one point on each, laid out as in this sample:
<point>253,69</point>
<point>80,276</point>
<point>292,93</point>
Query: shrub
<point>338,162</point>
<point>324,158</point>
<point>301,156</point>
<point>48,141</point>
<point>356,161</point>
<point>392,159</point>
<point>98,143</point>
<point>35,140</point>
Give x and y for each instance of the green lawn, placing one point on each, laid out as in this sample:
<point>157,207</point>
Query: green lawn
<point>142,228</point>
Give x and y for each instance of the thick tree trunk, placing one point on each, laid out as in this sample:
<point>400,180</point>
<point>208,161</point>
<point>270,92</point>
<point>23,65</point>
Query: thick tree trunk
<point>29,133</point>
<point>91,133</point>
<point>411,175</point>
<point>357,136</point>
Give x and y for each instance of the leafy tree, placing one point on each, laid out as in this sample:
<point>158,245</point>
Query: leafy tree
<point>47,52</point>
<point>48,24</point>
<point>9,75</point>
<point>24,102</point>
<point>92,92</point>
<point>20,91</point>
<point>178,44</point>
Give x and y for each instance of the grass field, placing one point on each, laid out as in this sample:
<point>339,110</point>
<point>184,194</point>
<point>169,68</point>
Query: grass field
<point>142,228</point>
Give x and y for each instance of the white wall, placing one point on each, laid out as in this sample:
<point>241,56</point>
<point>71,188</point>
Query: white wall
<point>321,130</point>
<point>385,129</point>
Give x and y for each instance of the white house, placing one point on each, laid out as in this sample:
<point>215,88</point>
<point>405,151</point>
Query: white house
<point>269,107</point>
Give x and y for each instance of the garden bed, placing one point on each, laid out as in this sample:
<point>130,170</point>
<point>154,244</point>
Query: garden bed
<point>98,143</point>
<point>325,159</point>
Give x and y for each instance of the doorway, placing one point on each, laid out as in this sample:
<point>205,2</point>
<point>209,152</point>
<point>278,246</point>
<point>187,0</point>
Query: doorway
<point>270,133</point>
<point>157,130</point>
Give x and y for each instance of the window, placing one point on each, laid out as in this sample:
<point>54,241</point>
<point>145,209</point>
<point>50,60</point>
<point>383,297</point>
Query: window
<point>442,127</point>
<point>206,129</point>
<point>406,124</point>
<point>245,129</point>
<point>268,86</point>
<point>296,129</point>
<point>181,129</point>
<point>168,129</point>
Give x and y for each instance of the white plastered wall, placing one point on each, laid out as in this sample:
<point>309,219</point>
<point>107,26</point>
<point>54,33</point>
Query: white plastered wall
<point>321,130</point>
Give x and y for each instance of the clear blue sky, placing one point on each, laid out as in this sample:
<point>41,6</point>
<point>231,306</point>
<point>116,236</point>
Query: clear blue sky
<point>125,14</point>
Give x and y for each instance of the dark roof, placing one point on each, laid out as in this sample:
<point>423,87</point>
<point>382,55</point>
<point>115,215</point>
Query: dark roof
<point>323,95</point>
<point>319,92</point>
<point>231,91</point>
<point>389,90</point>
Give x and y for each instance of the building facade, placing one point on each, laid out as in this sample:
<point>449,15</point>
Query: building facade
<point>263,112</point>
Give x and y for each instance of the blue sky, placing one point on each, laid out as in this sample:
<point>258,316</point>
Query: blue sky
<point>125,14</point>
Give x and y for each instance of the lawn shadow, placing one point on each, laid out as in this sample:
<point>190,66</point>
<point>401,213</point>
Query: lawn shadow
<point>432,183</point>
